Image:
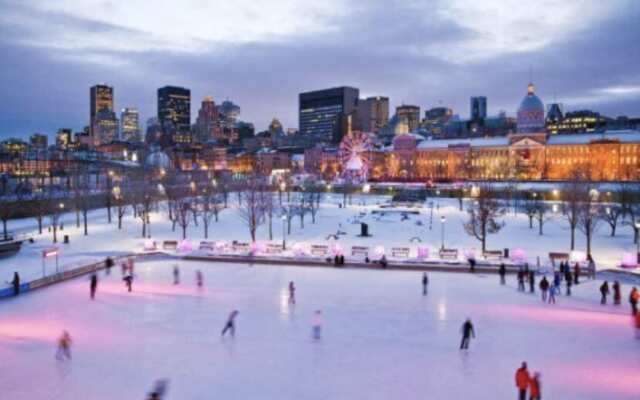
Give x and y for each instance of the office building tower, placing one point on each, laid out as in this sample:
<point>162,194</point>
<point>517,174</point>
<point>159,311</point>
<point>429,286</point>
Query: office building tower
<point>324,114</point>
<point>228,113</point>
<point>105,127</point>
<point>410,114</point>
<point>207,125</point>
<point>373,113</point>
<point>478,108</point>
<point>130,125</point>
<point>101,96</point>
<point>174,113</point>
<point>64,138</point>
<point>39,141</point>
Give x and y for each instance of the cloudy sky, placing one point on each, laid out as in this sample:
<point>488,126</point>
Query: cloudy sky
<point>261,54</point>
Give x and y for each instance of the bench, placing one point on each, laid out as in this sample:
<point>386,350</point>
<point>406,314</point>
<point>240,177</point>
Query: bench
<point>209,246</point>
<point>451,254</point>
<point>170,245</point>
<point>360,250</point>
<point>319,250</point>
<point>400,252</point>
<point>273,248</point>
<point>492,254</point>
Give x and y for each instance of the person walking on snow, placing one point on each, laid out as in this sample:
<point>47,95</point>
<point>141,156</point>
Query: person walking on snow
<point>231,324</point>
<point>176,275</point>
<point>544,287</point>
<point>292,293</point>
<point>199,279</point>
<point>522,381</point>
<point>467,333</point>
<point>64,347</point>
<point>502,271</point>
<point>617,297</point>
<point>425,283</point>
<point>93,285</point>
<point>317,325</point>
<point>535,390</point>
<point>604,291</point>
<point>634,296</point>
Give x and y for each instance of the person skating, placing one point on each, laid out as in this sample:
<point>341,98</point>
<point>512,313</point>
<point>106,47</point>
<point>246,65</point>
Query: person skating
<point>556,280</point>
<point>634,296</point>
<point>199,279</point>
<point>16,283</point>
<point>535,389</point>
<point>532,282</point>
<point>292,293</point>
<point>552,294</point>
<point>522,381</point>
<point>176,275</point>
<point>383,261</point>
<point>467,333</point>
<point>128,280</point>
<point>231,324</point>
<point>592,267</point>
<point>108,263</point>
<point>472,264</point>
<point>425,283</point>
<point>64,346</point>
<point>604,291</point>
<point>637,324</point>
<point>317,325</point>
<point>502,271</point>
<point>567,274</point>
<point>520,280</point>
<point>569,282</point>
<point>576,273</point>
<point>544,287</point>
<point>93,285</point>
<point>617,297</point>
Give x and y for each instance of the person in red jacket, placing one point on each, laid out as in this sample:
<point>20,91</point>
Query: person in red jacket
<point>522,381</point>
<point>534,387</point>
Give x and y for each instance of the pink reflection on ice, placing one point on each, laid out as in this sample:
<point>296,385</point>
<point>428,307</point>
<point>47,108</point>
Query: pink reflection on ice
<point>593,378</point>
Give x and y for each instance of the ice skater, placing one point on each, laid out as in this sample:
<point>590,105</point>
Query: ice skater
<point>199,279</point>
<point>64,347</point>
<point>576,273</point>
<point>292,293</point>
<point>535,389</point>
<point>617,297</point>
<point>552,294</point>
<point>544,287</point>
<point>231,324</point>
<point>634,296</point>
<point>637,324</point>
<point>16,283</point>
<point>108,263</point>
<point>316,329</point>
<point>522,381</point>
<point>467,333</point>
<point>520,280</point>
<point>176,275</point>
<point>128,280</point>
<point>502,271</point>
<point>604,292</point>
<point>569,282</point>
<point>425,284</point>
<point>93,285</point>
<point>532,282</point>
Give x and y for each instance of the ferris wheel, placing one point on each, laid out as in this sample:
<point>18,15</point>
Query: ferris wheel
<point>355,156</point>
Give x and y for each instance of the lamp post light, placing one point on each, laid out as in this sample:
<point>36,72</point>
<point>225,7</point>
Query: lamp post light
<point>442,221</point>
<point>284,232</point>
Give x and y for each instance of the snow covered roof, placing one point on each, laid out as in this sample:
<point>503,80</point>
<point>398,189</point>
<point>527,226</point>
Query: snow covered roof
<point>475,142</point>
<point>623,136</point>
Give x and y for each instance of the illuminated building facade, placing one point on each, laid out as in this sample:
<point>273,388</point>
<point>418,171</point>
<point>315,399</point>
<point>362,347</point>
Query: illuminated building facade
<point>130,125</point>
<point>207,125</point>
<point>101,97</point>
<point>105,127</point>
<point>174,113</point>
<point>373,113</point>
<point>478,107</point>
<point>410,114</point>
<point>322,113</point>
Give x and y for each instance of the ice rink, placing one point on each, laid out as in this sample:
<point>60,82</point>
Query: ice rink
<point>381,338</point>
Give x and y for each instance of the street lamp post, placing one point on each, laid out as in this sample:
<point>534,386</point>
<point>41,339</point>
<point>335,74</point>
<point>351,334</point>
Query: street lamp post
<point>442,221</point>
<point>284,232</point>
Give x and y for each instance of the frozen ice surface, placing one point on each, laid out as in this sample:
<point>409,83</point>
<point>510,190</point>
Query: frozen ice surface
<point>381,338</point>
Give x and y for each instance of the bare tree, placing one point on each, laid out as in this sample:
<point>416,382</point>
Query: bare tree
<point>55,208</point>
<point>313,193</point>
<point>209,205</point>
<point>630,203</point>
<point>143,198</point>
<point>10,198</point>
<point>612,214</point>
<point>39,205</point>
<point>82,195</point>
<point>484,214</point>
<point>182,213</point>
<point>122,200</point>
<point>588,218</point>
<point>575,191</point>
<point>250,205</point>
<point>269,204</point>
<point>541,216</point>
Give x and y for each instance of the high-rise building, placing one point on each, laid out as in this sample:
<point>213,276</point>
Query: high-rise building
<point>478,108</point>
<point>410,114</point>
<point>105,127</point>
<point>130,125</point>
<point>207,125</point>
<point>39,141</point>
<point>373,113</point>
<point>275,128</point>
<point>323,113</point>
<point>64,138</point>
<point>101,96</point>
<point>174,112</point>
<point>228,114</point>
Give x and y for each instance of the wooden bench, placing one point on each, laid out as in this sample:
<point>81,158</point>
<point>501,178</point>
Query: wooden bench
<point>319,250</point>
<point>273,248</point>
<point>451,254</point>
<point>170,245</point>
<point>492,255</point>
<point>360,250</point>
<point>400,252</point>
<point>209,246</point>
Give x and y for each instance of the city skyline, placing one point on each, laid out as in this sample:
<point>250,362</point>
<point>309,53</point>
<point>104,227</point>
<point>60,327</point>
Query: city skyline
<point>585,62</point>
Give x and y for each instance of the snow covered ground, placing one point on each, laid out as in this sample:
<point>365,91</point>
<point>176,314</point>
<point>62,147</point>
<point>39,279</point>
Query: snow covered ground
<point>381,338</point>
<point>388,231</point>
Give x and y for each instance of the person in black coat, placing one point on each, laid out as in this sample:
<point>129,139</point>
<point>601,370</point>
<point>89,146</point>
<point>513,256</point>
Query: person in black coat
<point>108,263</point>
<point>467,333</point>
<point>617,296</point>
<point>502,271</point>
<point>93,285</point>
<point>604,291</point>
<point>569,282</point>
<point>425,283</point>
<point>532,282</point>
<point>521,281</point>
<point>16,283</point>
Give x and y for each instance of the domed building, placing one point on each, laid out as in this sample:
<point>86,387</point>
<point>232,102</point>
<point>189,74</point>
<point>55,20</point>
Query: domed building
<point>158,159</point>
<point>531,113</point>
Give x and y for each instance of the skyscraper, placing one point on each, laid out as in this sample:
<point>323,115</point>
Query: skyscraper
<point>207,125</point>
<point>373,113</point>
<point>39,141</point>
<point>478,108</point>
<point>174,112</point>
<point>63,138</point>
<point>324,114</point>
<point>101,97</point>
<point>130,125</point>
<point>409,113</point>
<point>105,127</point>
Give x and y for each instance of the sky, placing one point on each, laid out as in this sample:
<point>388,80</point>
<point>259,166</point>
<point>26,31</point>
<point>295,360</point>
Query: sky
<point>261,54</point>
